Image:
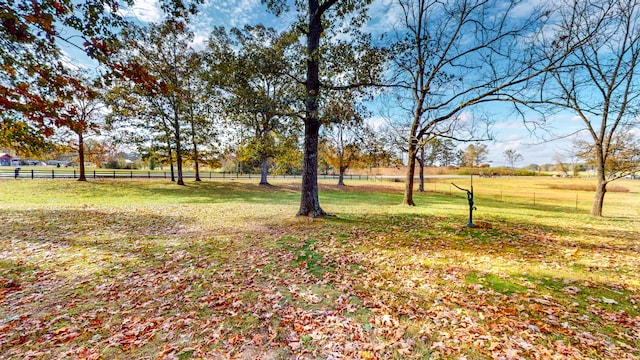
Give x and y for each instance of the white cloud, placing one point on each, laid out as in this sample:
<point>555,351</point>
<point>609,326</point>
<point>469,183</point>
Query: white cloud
<point>527,7</point>
<point>145,11</point>
<point>199,41</point>
<point>236,13</point>
<point>377,122</point>
<point>385,15</point>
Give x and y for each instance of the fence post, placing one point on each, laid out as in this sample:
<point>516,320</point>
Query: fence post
<point>149,174</point>
<point>114,174</point>
<point>209,174</point>
<point>53,174</point>
<point>94,174</point>
<point>131,175</point>
<point>165,174</point>
<point>74,174</point>
<point>32,173</point>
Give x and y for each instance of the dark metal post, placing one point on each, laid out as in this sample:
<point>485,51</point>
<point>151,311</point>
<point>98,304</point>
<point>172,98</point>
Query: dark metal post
<point>471,202</point>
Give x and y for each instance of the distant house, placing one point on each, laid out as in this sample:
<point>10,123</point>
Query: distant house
<point>5,159</point>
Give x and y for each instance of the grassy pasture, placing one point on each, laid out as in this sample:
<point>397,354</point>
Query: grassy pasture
<point>122,269</point>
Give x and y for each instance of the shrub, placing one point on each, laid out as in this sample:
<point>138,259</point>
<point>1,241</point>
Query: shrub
<point>121,164</point>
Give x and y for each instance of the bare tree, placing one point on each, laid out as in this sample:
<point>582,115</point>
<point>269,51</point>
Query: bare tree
<point>512,157</point>
<point>598,81</point>
<point>562,165</point>
<point>449,56</point>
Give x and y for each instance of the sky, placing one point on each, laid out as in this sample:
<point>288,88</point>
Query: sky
<point>509,131</point>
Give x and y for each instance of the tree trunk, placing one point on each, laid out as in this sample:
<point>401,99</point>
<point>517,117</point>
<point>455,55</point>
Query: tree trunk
<point>309,203</point>
<point>195,153</point>
<point>197,169</point>
<point>264,170</point>
<point>176,125</point>
<point>173,176</point>
<point>81,156</point>
<point>408,184</point>
<point>421,163</point>
<point>601,189</point>
<point>341,177</point>
<point>179,164</point>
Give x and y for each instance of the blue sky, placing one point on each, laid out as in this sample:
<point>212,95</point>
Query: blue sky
<point>509,131</point>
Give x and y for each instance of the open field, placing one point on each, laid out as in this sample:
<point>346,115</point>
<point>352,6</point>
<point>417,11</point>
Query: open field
<point>143,269</point>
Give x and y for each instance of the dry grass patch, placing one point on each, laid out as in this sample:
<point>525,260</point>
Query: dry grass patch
<point>587,187</point>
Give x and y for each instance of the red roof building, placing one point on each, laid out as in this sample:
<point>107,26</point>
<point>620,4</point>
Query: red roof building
<point>5,159</point>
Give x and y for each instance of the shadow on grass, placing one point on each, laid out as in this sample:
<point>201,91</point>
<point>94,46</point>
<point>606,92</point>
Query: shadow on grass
<point>428,260</point>
<point>229,191</point>
<point>506,244</point>
<point>138,234</point>
<point>408,251</point>
<point>207,192</point>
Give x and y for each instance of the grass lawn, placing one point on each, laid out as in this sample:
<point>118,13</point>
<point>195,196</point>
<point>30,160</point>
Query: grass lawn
<point>144,269</point>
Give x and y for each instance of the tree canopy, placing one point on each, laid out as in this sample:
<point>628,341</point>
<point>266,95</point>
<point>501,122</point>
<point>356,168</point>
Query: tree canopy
<point>431,72</point>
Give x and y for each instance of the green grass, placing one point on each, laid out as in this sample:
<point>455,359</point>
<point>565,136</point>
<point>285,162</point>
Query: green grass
<point>146,269</point>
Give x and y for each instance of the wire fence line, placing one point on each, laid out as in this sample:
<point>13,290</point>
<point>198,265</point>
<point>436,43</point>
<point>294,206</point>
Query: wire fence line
<point>144,174</point>
<point>575,200</point>
<point>67,173</point>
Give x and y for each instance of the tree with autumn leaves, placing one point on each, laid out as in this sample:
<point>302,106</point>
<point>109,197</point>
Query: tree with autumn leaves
<point>82,116</point>
<point>158,65</point>
<point>323,26</point>
<point>40,88</point>
<point>261,99</point>
<point>37,81</point>
<point>438,72</point>
<point>344,136</point>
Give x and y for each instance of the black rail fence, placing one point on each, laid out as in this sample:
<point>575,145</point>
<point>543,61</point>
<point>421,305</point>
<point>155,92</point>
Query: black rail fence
<point>142,174</point>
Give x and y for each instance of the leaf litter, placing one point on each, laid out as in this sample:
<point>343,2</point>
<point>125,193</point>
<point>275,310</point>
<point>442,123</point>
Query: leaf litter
<point>213,282</point>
